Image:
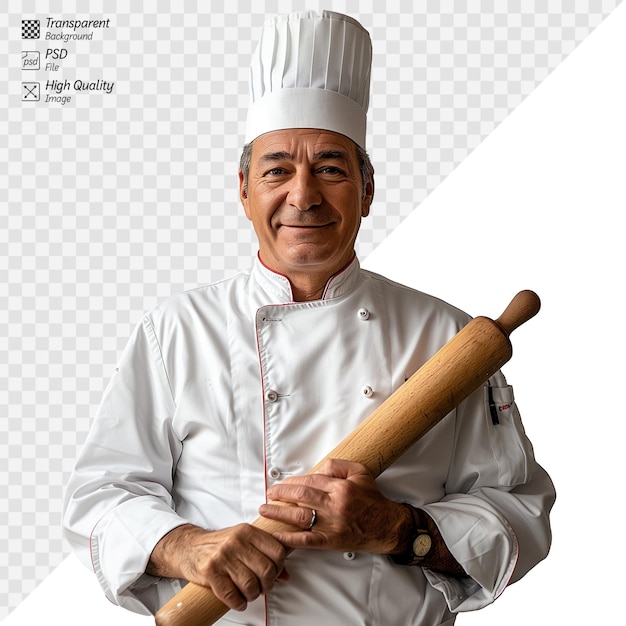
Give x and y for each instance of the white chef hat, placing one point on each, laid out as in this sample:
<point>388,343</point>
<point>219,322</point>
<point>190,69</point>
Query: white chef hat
<point>311,71</point>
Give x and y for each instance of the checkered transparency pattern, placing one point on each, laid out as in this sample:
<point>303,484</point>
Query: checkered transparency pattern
<point>113,202</point>
<point>31,29</point>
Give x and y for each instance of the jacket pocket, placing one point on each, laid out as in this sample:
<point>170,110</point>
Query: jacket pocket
<point>511,448</point>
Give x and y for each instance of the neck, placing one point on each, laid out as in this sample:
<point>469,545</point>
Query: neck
<point>307,287</point>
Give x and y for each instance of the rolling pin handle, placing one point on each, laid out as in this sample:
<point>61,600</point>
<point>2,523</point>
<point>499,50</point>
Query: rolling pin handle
<point>525,304</point>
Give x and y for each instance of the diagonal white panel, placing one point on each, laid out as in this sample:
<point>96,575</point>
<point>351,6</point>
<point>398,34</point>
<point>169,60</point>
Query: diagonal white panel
<point>72,597</point>
<point>540,205</point>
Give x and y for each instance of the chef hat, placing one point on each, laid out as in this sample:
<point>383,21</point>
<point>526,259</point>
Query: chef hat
<point>311,71</point>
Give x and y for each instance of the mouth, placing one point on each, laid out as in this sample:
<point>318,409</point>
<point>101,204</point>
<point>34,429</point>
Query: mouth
<point>307,226</point>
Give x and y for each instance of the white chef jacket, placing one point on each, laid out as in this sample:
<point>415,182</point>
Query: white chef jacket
<point>225,389</point>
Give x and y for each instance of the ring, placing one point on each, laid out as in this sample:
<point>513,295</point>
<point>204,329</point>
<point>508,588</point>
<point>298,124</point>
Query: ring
<point>313,519</point>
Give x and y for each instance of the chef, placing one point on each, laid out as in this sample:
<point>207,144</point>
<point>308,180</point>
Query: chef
<point>227,394</point>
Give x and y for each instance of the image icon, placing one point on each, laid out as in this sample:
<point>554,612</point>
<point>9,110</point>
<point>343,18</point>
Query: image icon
<point>30,92</point>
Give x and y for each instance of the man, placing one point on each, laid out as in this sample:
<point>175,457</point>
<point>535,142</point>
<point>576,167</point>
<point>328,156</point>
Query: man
<point>227,394</point>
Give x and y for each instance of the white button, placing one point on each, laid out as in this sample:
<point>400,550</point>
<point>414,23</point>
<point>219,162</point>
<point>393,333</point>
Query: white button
<point>367,391</point>
<point>274,473</point>
<point>349,556</point>
<point>364,314</point>
<point>271,395</point>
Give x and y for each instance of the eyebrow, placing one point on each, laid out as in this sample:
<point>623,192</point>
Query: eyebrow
<point>272,157</point>
<point>330,154</point>
<point>275,156</point>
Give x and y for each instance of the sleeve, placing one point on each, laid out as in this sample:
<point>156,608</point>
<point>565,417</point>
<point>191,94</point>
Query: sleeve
<point>495,516</point>
<point>118,501</point>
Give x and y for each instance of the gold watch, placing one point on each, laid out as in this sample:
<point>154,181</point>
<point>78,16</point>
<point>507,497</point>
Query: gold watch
<point>419,546</point>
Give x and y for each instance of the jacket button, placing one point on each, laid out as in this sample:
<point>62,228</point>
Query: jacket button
<point>274,473</point>
<point>363,313</point>
<point>367,391</point>
<point>349,556</point>
<point>271,395</point>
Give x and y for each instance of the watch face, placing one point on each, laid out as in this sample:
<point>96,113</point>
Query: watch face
<point>421,545</point>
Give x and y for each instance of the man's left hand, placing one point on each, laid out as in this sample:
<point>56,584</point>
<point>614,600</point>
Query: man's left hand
<point>351,514</point>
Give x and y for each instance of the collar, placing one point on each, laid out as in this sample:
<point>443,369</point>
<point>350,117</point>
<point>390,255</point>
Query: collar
<point>277,287</point>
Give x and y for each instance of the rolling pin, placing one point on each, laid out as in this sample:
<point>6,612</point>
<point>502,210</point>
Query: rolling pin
<point>460,367</point>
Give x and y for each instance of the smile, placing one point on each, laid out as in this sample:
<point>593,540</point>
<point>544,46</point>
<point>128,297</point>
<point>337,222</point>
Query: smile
<point>307,226</point>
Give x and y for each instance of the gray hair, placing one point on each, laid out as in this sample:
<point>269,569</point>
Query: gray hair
<point>365,165</point>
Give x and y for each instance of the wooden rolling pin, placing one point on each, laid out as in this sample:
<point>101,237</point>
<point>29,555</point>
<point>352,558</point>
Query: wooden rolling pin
<point>460,367</point>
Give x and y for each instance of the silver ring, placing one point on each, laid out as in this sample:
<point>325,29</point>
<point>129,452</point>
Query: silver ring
<point>313,519</point>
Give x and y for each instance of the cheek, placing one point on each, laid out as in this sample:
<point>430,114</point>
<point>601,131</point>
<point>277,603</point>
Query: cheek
<point>352,219</point>
<point>262,222</point>
<point>259,209</point>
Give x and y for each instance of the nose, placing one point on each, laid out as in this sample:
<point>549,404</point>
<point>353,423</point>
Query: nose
<point>304,192</point>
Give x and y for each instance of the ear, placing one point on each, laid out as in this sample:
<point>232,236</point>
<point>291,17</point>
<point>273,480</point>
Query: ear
<point>243,195</point>
<point>368,197</point>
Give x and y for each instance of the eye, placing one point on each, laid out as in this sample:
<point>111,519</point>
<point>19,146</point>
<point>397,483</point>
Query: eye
<point>275,171</point>
<point>331,170</point>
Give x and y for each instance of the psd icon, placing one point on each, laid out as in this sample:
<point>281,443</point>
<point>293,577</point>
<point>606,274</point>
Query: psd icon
<point>31,29</point>
<point>31,60</point>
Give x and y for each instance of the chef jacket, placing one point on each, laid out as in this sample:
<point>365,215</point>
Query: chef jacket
<point>228,388</point>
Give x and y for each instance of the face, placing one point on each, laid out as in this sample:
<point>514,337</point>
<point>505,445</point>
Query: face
<point>305,200</point>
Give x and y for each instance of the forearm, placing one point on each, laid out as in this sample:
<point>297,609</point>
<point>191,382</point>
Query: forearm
<point>167,557</point>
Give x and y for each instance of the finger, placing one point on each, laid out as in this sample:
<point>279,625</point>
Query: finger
<point>259,567</point>
<point>267,548</point>
<point>251,560</point>
<point>224,589</point>
<point>340,468</point>
<point>292,515</point>
<point>311,541</point>
<point>245,580</point>
<point>310,491</point>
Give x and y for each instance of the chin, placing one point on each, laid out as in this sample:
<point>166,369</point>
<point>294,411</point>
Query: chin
<point>308,254</point>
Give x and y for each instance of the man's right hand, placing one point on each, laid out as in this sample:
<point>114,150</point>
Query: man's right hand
<point>238,564</point>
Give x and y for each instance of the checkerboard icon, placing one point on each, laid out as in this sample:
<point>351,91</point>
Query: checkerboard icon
<point>30,29</point>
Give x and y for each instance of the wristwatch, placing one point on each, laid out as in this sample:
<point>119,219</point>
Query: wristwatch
<point>419,546</point>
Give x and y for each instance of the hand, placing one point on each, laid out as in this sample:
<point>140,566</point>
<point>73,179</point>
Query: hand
<point>238,563</point>
<point>351,513</point>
